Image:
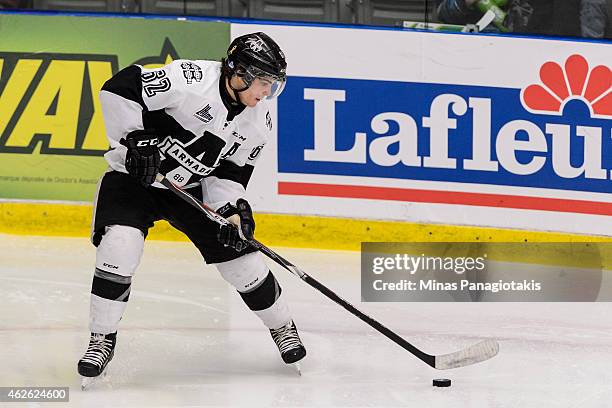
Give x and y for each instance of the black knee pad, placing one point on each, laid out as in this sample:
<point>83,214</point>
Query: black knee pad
<point>111,286</point>
<point>264,295</point>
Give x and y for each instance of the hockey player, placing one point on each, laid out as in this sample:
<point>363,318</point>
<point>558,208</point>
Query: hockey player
<point>201,124</point>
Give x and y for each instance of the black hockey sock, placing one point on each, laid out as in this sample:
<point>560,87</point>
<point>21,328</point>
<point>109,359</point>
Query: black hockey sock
<point>111,286</point>
<point>264,295</point>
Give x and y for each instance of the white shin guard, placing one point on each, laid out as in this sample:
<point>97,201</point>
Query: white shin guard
<point>117,258</point>
<point>244,273</point>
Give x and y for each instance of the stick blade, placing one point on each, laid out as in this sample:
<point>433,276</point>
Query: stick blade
<point>474,354</point>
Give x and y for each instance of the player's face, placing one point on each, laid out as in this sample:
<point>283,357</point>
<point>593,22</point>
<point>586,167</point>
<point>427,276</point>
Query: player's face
<point>259,89</point>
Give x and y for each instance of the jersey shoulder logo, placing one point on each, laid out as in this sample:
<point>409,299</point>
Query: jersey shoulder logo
<point>191,72</point>
<point>204,114</point>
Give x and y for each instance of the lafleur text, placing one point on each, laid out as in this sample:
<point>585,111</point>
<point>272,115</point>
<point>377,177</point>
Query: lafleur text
<point>506,144</point>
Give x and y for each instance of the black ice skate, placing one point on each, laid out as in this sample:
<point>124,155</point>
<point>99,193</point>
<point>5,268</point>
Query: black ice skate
<point>99,353</point>
<point>289,344</point>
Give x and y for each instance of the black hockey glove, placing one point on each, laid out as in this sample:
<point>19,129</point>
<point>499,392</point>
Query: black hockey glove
<point>142,159</point>
<point>241,227</point>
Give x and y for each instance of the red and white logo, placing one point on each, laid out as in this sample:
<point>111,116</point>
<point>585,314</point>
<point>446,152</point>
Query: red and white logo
<point>575,80</point>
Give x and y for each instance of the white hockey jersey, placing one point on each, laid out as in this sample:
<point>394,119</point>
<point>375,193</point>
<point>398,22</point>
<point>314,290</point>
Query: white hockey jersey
<point>203,138</point>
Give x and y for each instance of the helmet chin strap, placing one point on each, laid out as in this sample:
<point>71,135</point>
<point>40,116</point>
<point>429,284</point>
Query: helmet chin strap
<point>235,90</point>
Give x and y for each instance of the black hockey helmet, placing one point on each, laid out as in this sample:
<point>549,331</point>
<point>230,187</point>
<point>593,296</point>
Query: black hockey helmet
<point>256,55</point>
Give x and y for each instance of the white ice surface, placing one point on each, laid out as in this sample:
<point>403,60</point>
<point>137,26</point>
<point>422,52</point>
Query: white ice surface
<point>187,339</point>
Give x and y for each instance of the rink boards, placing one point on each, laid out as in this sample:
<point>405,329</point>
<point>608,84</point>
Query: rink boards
<point>375,126</point>
<point>443,128</point>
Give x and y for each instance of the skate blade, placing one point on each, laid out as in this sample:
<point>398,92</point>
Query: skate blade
<point>89,382</point>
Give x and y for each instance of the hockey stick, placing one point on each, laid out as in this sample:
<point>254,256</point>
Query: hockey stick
<point>471,355</point>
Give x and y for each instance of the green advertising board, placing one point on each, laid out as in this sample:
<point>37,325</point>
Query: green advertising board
<point>52,137</point>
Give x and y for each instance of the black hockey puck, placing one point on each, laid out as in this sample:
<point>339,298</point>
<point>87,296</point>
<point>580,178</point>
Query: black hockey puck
<point>441,382</point>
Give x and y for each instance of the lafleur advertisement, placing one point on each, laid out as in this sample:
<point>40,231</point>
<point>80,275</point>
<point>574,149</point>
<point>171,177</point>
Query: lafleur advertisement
<point>552,134</point>
<point>52,135</point>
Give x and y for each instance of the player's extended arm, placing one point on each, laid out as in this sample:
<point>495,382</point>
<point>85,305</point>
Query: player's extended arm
<point>225,189</point>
